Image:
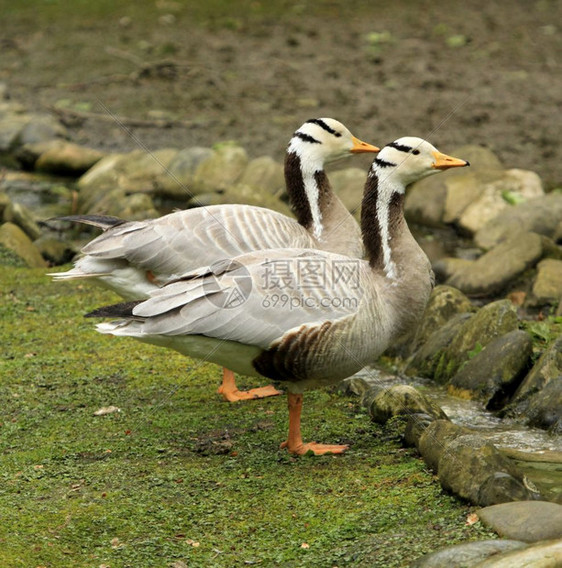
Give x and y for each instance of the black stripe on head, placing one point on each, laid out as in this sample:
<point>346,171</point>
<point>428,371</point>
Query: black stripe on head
<point>383,163</point>
<point>323,125</point>
<point>400,147</point>
<point>307,138</point>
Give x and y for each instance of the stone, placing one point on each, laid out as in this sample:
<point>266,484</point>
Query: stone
<point>467,554</point>
<point>547,287</point>
<point>41,127</point>
<point>222,170</point>
<point>428,357</point>
<point>544,554</point>
<point>434,439</point>
<point>540,215</point>
<point>4,202</point>
<point>21,216</point>
<point>425,202</point>
<point>265,174</point>
<point>348,185</point>
<point>14,239</point>
<point>515,184</point>
<point>491,321</point>
<point>61,157</point>
<point>539,397</point>
<point>10,128</point>
<point>177,181</point>
<point>444,303</point>
<point>55,251</point>
<point>527,521</point>
<point>402,400</point>
<point>475,470</point>
<point>416,425</point>
<point>495,270</point>
<point>493,374</point>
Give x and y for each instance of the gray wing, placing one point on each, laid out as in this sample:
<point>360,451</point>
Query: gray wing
<point>185,240</point>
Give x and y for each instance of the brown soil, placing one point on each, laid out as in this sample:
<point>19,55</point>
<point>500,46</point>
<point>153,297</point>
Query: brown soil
<point>452,72</point>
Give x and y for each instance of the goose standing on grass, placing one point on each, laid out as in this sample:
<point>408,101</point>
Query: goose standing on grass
<point>136,258</point>
<point>325,319</point>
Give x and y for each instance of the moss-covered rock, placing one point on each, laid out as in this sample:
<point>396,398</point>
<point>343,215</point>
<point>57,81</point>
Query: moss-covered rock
<point>16,241</point>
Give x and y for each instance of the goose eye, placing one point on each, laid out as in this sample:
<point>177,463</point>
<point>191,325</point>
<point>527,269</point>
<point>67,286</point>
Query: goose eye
<point>415,152</point>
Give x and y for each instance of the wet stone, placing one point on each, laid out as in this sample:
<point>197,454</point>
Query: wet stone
<point>528,521</point>
<point>466,555</point>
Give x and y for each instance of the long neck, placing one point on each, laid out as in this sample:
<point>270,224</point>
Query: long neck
<point>318,209</point>
<point>398,263</point>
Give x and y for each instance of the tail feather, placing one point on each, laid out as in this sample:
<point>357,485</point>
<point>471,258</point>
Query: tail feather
<point>121,310</point>
<point>101,221</point>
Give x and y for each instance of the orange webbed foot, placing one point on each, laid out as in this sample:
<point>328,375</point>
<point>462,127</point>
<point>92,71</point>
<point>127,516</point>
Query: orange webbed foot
<point>235,395</point>
<point>316,449</point>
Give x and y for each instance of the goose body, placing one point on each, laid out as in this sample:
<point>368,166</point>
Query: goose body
<point>135,258</point>
<point>320,333</point>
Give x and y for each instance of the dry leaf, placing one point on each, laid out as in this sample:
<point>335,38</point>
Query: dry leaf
<point>472,518</point>
<point>106,410</point>
<point>192,542</point>
<point>305,545</point>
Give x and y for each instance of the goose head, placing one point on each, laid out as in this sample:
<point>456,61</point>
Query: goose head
<point>410,159</point>
<point>323,140</point>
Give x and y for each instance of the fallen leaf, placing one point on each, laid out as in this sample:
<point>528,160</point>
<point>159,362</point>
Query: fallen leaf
<point>305,545</point>
<point>192,542</point>
<point>106,410</point>
<point>471,519</point>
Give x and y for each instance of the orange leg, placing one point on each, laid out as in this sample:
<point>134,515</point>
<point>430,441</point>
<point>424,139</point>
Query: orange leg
<point>231,393</point>
<point>294,442</point>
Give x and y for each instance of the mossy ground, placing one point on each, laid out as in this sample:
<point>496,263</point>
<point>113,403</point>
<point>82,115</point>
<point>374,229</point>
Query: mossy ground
<point>178,477</point>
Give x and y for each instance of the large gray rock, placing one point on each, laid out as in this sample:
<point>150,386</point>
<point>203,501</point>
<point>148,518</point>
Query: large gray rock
<point>514,184</point>
<point>177,181</point>
<point>40,128</point>
<point>528,521</point>
<point>539,398</point>
<point>265,174</point>
<point>429,357</point>
<point>221,170</point>
<point>10,129</point>
<point>547,287</point>
<point>491,321</point>
<point>544,554</point>
<point>59,157</point>
<point>494,373</point>
<point>15,240</point>
<point>21,216</point>
<point>475,470</point>
<point>496,269</point>
<point>435,438</point>
<point>348,184</point>
<point>402,400</point>
<point>467,554</point>
<point>444,303</point>
<point>541,215</point>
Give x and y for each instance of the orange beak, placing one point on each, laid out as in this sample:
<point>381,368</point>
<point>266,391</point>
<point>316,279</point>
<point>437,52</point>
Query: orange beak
<point>359,146</point>
<point>444,162</point>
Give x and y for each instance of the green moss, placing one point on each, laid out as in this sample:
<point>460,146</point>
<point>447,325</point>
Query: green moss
<point>178,474</point>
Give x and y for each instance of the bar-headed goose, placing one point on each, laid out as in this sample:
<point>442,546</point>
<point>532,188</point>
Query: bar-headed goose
<point>135,258</point>
<point>303,317</point>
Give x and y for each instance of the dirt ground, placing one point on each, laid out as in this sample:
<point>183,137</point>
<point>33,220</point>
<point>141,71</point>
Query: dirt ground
<point>453,72</point>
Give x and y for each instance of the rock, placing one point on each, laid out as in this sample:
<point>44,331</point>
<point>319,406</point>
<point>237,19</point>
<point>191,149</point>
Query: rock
<point>425,202</point>
<point>15,240</point>
<point>519,185</point>
<point>55,251</point>
<point>400,400</point>
<point>528,521</point>
<point>429,356</point>
<point>21,216</point>
<point>103,175</point>
<point>444,303</point>
<point>10,128</point>
<point>475,470</point>
<point>547,287</point>
<point>467,554</point>
<point>264,174</point>
<point>117,203</point>
<point>494,373</point>
<point>58,157</point>
<point>491,321</point>
<point>4,202</point>
<point>348,184</point>
<point>496,269</point>
<point>539,397</point>
<point>177,181</point>
<point>545,554</point>
<point>221,170</point>
<point>541,215</point>
<point>415,426</point>
<point>435,438</point>
<point>41,127</point>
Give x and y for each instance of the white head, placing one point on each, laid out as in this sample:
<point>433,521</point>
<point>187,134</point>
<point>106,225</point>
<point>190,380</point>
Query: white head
<point>323,140</point>
<point>410,159</point>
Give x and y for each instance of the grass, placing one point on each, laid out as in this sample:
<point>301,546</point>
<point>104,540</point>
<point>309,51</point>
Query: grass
<point>178,477</point>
